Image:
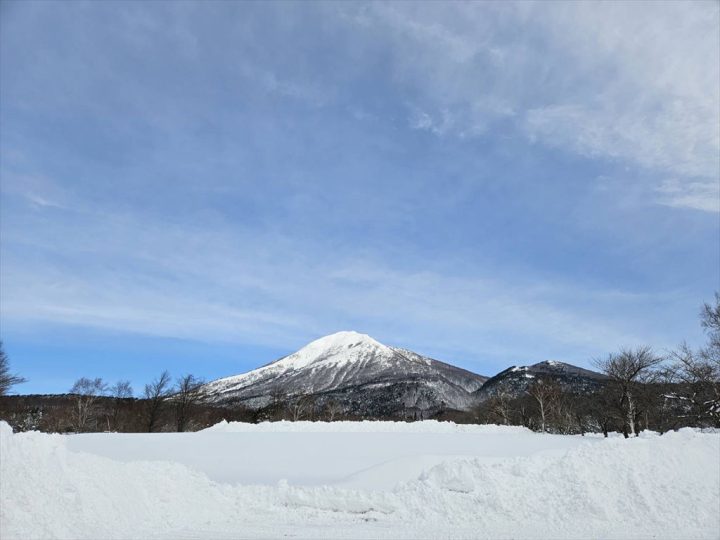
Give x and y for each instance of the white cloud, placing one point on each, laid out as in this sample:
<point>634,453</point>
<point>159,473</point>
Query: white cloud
<point>698,195</point>
<point>38,190</point>
<point>630,81</point>
<point>41,201</point>
<point>221,284</point>
<point>619,81</point>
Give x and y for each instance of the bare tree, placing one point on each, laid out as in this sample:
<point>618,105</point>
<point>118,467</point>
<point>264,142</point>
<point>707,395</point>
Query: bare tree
<point>300,407</point>
<point>710,357</point>
<point>523,415</point>
<point>119,391</point>
<point>626,370</point>
<point>7,379</point>
<point>156,393</point>
<point>501,406</point>
<point>86,392</point>
<point>710,321</point>
<point>695,375</point>
<point>277,403</point>
<point>310,406</point>
<point>546,395</point>
<point>564,415</point>
<point>576,406</point>
<point>332,409</point>
<point>187,394</point>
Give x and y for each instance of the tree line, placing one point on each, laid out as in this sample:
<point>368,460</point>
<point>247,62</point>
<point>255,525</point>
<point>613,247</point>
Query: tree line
<point>93,405</point>
<point>642,390</point>
<point>158,398</point>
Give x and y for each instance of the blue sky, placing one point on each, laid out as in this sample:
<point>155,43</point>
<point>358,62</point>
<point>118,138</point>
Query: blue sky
<point>205,187</point>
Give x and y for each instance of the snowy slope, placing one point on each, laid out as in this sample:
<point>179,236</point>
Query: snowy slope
<point>364,375</point>
<point>403,481</point>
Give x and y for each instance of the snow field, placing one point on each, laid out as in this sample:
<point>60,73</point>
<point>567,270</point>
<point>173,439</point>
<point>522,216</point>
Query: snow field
<point>363,455</point>
<point>54,486</point>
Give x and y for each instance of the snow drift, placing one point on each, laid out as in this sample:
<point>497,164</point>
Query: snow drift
<point>656,486</point>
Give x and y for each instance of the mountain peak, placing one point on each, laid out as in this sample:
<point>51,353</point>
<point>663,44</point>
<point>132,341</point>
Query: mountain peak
<point>341,347</point>
<point>550,363</point>
<point>343,339</point>
<point>366,376</point>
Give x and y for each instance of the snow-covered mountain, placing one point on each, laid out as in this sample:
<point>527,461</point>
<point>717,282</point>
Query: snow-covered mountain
<point>515,380</point>
<point>360,374</point>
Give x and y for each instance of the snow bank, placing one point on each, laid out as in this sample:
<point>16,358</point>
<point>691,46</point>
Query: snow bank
<point>659,486</point>
<point>366,426</point>
<point>363,455</point>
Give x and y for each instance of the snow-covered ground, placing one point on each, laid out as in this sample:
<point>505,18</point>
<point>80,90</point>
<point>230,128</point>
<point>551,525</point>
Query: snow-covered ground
<point>358,480</point>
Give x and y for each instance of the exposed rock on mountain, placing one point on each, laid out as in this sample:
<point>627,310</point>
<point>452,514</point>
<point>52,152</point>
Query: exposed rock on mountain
<point>515,380</point>
<point>358,375</point>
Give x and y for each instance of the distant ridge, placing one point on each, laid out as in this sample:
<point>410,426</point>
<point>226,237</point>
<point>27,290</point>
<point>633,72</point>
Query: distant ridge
<point>365,378</point>
<point>515,380</point>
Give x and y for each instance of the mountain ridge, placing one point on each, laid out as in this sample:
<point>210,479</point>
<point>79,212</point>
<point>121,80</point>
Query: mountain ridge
<point>365,375</point>
<point>515,380</point>
<point>367,378</point>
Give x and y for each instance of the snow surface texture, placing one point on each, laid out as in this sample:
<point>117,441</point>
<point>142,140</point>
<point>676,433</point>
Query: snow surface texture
<point>565,487</point>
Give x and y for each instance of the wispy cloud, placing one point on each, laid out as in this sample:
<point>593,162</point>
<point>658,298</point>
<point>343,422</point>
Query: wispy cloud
<point>700,195</point>
<point>223,284</point>
<point>626,81</point>
<point>218,172</point>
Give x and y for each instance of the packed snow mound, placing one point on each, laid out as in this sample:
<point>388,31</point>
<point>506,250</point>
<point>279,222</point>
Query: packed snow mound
<point>365,426</point>
<point>654,487</point>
